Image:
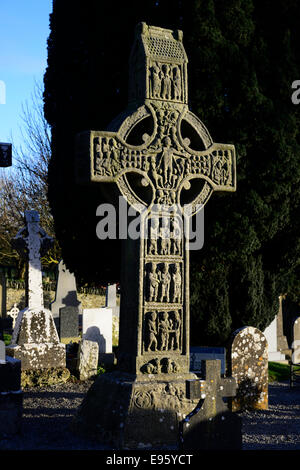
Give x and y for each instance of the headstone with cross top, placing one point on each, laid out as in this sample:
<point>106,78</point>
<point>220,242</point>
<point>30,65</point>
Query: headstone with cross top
<point>32,242</point>
<point>211,425</point>
<point>161,172</point>
<point>152,155</point>
<point>35,340</point>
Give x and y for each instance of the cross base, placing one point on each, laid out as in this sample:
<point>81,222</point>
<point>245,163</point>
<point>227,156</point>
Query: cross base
<point>135,413</point>
<point>35,341</point>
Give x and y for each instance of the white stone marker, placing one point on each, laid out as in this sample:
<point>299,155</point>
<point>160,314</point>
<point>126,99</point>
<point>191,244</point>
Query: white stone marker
<point>35,340</point>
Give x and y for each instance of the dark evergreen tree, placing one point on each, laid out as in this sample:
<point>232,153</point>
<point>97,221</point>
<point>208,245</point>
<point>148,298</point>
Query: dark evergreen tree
<point>243,57</point>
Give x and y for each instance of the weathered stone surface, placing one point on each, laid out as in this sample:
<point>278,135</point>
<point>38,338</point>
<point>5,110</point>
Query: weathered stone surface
<point>271,336</point>
<point>87,362</point>
<point>44,377</point>
<point>111,299</point>
<point>35,340</point>
<point>153,354</point>
<point>66,291</point>
<point>69,324</point>
<point>248,364</point>
<point>211,425</point>
<point>130,413</point>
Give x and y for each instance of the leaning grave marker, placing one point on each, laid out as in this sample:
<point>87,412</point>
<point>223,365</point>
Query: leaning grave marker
<point>153,357</point>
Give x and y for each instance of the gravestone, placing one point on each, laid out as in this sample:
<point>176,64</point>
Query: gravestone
<point>13,314</point>
<point>271,336</point>
<point>66,291</point>
<point>296,341</point>
<point>111,299</point>
<point>211,425</point>
<point>248,364</point>
<point>87,362</point>
<point>69,324</point>
<point>2,352</point>
<point>35,340</point>
<point>97,327</point>
<point>199,354</point>
<point>11,395</point>
<point>158,177</point>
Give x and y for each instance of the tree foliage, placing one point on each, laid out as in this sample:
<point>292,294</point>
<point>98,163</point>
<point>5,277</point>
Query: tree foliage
<point>24,186</point>
<point>243,57</point>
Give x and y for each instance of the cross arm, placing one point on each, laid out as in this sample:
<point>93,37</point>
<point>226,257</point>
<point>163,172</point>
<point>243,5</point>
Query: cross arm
<point>216,164</point>
<point>102,156</point>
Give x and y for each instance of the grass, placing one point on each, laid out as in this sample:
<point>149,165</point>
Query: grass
<point>278,372</point>
<point>6,338</point>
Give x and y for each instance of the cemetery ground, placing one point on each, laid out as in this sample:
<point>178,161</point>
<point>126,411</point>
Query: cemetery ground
<point>48,411</point>
<point>48,414</point>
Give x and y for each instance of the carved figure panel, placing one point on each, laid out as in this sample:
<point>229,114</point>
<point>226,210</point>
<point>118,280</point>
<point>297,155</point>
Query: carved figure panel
<point>163,331</point>
<point>164,282</point>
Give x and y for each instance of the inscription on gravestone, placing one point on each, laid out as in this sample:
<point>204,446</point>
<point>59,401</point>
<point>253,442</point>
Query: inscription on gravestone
<point>158,177</point>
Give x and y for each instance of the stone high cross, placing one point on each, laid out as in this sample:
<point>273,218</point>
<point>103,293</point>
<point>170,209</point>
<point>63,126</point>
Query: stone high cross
<point>163,170</point>
<point>32,242</point>
<point>162,160</point>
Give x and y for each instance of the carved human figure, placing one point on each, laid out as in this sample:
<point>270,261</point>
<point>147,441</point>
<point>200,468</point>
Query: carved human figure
<point>177,83</point>
<point>115,158</point>
<point>177,328</point>
<point>166,83</point>
<point>154,232</point>
<point>152,332</point>
<point>153,283</point>
<point>164,232</point>
<point>217,172</point>
<point>177,282</point>
<point>163,331</point>
<point>155,81</point>
<point>167,161</point>
<point>165,279</point>
<point>99,158</point>
<point>176,236</point>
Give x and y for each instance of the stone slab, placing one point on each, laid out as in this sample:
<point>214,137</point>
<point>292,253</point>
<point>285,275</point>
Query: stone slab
<point>97,326</point>
<point>10,375</point>
<point>87,361</point>
<point>68,323</point>
<point>66,291</point>
<point>211,425</point>
<point>248,364</point>
<point>39,356</point>
<point>199,354</point>
<point>128,413</point>
<point>11,411</point>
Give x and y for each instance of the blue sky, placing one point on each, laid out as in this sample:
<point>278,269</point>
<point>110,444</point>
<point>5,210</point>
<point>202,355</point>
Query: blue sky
<point>24,29</point>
